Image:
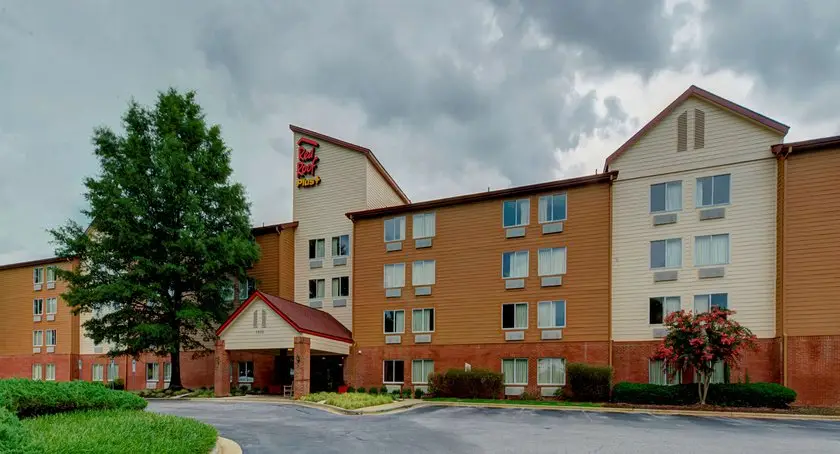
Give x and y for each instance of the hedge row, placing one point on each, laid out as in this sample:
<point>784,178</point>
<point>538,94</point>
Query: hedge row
<point>588,383</point>
<point>759,395</point>
<point>27,398</point>
<point>14,438</point>
<point>473,384</point>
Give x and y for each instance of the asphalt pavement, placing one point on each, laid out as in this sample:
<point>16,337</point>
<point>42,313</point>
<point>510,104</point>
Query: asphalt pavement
<point>270,428</point>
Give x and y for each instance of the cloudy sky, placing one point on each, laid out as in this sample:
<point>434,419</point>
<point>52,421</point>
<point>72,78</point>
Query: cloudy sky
<point>453,96</point>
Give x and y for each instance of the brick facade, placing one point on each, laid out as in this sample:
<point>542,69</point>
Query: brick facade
<point>813,369</point>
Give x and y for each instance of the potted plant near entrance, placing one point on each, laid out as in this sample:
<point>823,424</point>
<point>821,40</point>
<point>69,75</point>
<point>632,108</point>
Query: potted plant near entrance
<point>342,389</point>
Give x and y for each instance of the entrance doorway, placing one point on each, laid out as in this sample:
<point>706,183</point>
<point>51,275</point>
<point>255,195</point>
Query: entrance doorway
<point>284,370</point>
<point>326,372</point>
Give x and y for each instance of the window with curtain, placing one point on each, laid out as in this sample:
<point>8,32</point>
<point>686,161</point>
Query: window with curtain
<point>666,253</point>
<point>661,307</point>
<point>423,272</point>
<point>421,369</point>
<point>37,338</point>
<point>711,250</point>
<point>246,372</point>
<point>50,372</point>
<point>657,374</point>
<point>705,303</point>
<point>51,278</point>
<point>113,371</point>
<point>51,337</point>
<point>515,264</point>
<point>316,289</point>
<point>551,371</point>
<point>52,305</point>
<point>38,306</point>
<point>552,261</point>
<point>394,322</point>
<point>152,371</point>
<point>424,225</point>
<point>341,287</point>
<point>515,371</point>
<point>317,248</point>
<point>666,197</point>
<point>552,208</point>
<point>395,275</point>
<point>422,320</point>
<point>37,372</point>
<point>719,375</point>
<point>393,371</point>
<point>515,213</point>
<point>395,229</point>
<point>515,316</point>
<point>712,191</point>
<point>38,276</point>
<point>551,314</point>
<point>341,246</point>
<point>167,372</point>
<point>97,372</point>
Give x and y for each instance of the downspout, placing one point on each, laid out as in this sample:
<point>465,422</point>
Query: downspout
<point>609,277</point>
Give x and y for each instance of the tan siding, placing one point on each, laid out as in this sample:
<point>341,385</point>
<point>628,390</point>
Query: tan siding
<point>812,244</point>
<point>379,192</point>
<point>265,271</point>
<point>287,264</point>
<point>241,334</point>
<point>780,255</point>
<point>320,344</point>
<point>469,291</point>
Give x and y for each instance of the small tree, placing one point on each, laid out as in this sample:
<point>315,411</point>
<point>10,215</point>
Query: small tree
<point>700,341</point>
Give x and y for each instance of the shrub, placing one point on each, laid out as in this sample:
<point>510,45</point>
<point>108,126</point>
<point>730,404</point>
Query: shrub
<point>647,394</point>
<point>373,390</point>
<point>418,393</point>
<point>33,398</point>
<point>396,392</point>
<point>349,401</point>
<point>351,389</point>
<point>587,383</point>
<point>759,395</point>
<point>14,437</point>
<point>118,384</point>
<point>473,384</point>
<point>528,396</point>
<point>406,393</point>
<point>383,390</point>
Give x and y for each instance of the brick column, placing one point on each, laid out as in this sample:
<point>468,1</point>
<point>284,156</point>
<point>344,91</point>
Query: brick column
<point>221,374</point>
<point>301,359</point>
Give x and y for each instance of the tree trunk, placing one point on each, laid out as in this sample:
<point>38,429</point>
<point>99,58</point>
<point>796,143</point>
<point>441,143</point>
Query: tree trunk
<point>703,387</point>
<point>175,359</point>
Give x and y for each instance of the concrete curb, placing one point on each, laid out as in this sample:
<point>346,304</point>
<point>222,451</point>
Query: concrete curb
<point>226,446</point>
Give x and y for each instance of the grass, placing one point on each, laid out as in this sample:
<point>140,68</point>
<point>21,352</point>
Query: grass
<point>119,431</point>
<point>350,401</point>
<point>542,403</point>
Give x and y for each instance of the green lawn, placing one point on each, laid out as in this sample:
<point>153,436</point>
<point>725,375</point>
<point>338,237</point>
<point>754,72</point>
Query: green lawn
<point>118,432</point>
<point>350,401</point>
<point>542,403</point>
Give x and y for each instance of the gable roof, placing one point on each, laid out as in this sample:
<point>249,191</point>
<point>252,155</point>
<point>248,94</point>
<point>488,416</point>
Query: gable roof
<point>302,318</point>
<point>823,143</point>
<point>360,149</point>
<point>273,228</point>
<point>46,261</point>
<point>707,96</point>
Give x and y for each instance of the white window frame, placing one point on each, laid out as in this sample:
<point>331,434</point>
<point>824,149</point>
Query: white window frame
<point>527,316</point>
<point>51,270</point>
<point>47,337</point>
<point>516,254</point>
<point>38,275</point>
<point>553,304</point>
<point>337,293</point>
<point>395,370</point>
<point>718,376</point>
<point>38,306</point>
<point>667,185</point>
<point>425,318</point>
<point>665,312</point>
<point>97,369</point>
<point>113,371</point>
<point>698,197</point>
<point>49,372</point>
<point>384,330</point>
<point>515,361</point>
<point>552,251</point>
<point>517,202</point>
<point>37,371</point>
<point>400,220</point>
<point>54,309</point>
<point>244,378</point>
<point>38,338</point>
<point>155,372</point>
<point>336,241</point>
<point>426,365</point>
<point>544,201</point>
<point>321,287</point>
<point>669,381</point>
<point>167,372</point>
<point>712,239</point>
<point>394,267</point>
<point>316,241</point>
<point>422,265</point>
<point>421,220</point>
<point>708,298</point>
<point>666,242</point>
<point>551,364</point>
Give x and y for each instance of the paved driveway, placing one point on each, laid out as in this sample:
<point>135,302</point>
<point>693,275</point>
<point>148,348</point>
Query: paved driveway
<point>271,428</point>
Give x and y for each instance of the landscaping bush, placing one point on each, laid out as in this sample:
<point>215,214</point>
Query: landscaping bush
<point>383,390</point>
<point>373,390</point>
<point>418,393</point>
<point>350,401</point>
<point>647,394</point>
<point>14,437</point>
<point>351,389</point>
<point>28,398</point>
<point>406,393</point>
<point>118,384</point>
<point>473,384</point>
<point>759,395</point>
<point>587,383</point>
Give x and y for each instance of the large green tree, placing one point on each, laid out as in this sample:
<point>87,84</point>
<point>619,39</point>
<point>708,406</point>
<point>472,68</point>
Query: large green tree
<point>169,231</point>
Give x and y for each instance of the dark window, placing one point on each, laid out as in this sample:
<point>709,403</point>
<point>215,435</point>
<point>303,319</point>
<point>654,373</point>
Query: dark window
<point>657,311</point>
<point>394,371</point>
<point>316,249</point>
<point>341,286</point>
<point>341,246</point>
<point>316,289</point>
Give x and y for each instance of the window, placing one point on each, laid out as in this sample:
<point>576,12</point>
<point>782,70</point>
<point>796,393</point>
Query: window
<point>515,316</point>
<point>657,374</point>
<point>394,322</point>
<point>51,278</point>
<point>50,372</point>
<point>666,197</point>
<point>551,371</point>
<point>38,306</point>
<point>424,225</point>
<point>423,272</point>
<point>395,229</point>
<point>515,213</point>
<point>395,275</point>
<point>682,132</point>
<point>37,338</point>
<point>246,371</point>
<point>551,314</point>
<point>51,337</point>
<point>37,372</point>
<point>515,264</point>
<point>167,372</point>
<point>341,246</point>
<point>552,208</point>
<point>699,129</point>
<point>394,371</point>
<point>152,372</point>
<point>98,372</point>
<point>666,253</point>
<point>705,303</point>
<point>262,313</point>
<point>38,276</point>
<point>719,375</point>
<point>113,371</point>
<point>711,250</point>
<point>712,191</point>
<point>246,287</point>
<point>52,305</point>
<point>552,261</point>
<point>422,320</point>
<point>316,248</point>
<point>316,289</point>
<point>421,369</point>
<point>515,371</point>
<point>341,287</point>
<point>661,307</point>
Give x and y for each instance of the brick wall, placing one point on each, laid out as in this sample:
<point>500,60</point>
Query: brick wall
<point>814,369</point>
